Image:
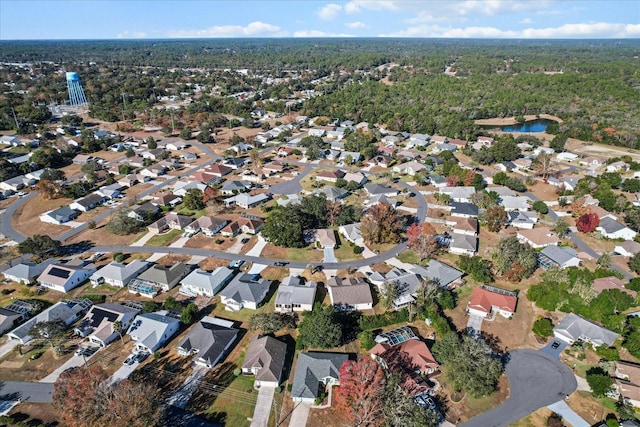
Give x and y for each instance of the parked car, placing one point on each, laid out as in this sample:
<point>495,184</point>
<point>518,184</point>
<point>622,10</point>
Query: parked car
<point>555,345</point>
<point>130,360</point>
<point>141,357</point>
<point>280,263</point>
<point>236,264</point>
<point>80,351</point>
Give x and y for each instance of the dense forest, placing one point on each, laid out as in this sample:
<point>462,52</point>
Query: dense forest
<point>593,85</point>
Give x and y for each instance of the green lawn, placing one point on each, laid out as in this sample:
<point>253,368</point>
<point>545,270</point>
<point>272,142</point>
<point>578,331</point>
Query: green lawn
<point>409,257</point>
<point>235,404</point>
<point>344,252</point>
<point>163,239</point>
<point>304,254</point>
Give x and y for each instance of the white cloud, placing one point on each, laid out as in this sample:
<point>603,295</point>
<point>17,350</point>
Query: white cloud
<point>131,35</point>
<point>317,33</point>
<point>329,11</point>
<point>526,21</point>
<point>584,30</point>
<point>356,6</point>
<point>254,29</point>
<point>356,24</point>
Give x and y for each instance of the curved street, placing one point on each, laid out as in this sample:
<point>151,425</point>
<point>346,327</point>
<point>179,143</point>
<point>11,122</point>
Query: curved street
<point>536,379</point>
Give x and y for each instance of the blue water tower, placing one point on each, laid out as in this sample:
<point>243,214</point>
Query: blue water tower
<point>76,93</point>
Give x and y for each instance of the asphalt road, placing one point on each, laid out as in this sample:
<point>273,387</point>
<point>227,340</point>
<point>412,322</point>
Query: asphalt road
<point>536,379</point>
<point>26,391</point>
<point>292,186</point>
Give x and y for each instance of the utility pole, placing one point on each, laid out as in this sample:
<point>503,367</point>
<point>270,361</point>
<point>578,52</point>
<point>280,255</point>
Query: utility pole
<point>15,119</point>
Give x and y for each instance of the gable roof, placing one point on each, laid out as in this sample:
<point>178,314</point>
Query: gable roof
<point>268,355</point>
<point>559,255</point>
<point>148,328</point>
<point>165,275</point>
<point>612,282</point>
<point>246,288</point>
<point>577,327</point>
<point>419,355</point>
<point>349,291</point>
<point>312,369</point>
<point>28,271</point>
<point>208,281</point>
<point>464,242</point>
<point>610,225</point>
<point>540,236</point>
<point>464,224</point>
<point>293,291</point>
<point>464,208</point>
<point>439,271</point>
<point>209,338</point>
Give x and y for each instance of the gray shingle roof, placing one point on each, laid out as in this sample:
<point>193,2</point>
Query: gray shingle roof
<point>268,355</point>
<point>209,340</point>
<point>576,327</point>
<point>312,368</point>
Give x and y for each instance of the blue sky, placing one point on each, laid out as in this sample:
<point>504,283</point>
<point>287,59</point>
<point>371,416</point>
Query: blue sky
<point>128,19</point>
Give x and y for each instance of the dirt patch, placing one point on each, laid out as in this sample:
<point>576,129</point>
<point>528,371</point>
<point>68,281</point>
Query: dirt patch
<point>591,149</point>
<point>200,241</point>
<point>211,264</point>
<point>26,219</point>
<point>590,409</point>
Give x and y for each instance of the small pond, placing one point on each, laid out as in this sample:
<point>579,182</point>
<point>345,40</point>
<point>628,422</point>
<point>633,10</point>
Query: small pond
<point>538,125</point>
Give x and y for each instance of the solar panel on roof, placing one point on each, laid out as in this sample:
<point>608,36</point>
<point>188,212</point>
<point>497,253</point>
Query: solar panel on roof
<point>58,272</point>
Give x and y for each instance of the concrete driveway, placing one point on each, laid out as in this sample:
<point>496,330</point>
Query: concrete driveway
<point>263,406</point>
<point>26,391</point>
<point>554,352</point>
<point>568,415</point>
<point>329,255</point>
<point>74,362</point>
<point>474,323</point>
<point>536,380</point>
<point>300,414</point>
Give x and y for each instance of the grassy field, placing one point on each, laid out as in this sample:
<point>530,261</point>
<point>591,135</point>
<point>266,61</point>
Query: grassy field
<point>163,239</point>
<point>235,404</point>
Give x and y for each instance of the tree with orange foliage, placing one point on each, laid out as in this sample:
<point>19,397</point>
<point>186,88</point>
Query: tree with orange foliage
<point>362,387</point>
<point>469,177</point>
<point>452,181</point>
<point>588,222</point>
<point>422,239</point>
<point>210,194</point>
<point>83,396</point>
<point>381,224</point>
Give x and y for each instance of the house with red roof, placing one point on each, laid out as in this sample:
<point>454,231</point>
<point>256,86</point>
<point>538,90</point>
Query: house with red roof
<point>487,299</point>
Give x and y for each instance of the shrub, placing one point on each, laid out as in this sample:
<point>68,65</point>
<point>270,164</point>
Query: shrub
<point>358,250</point>
<point>6,291</point>
<point>384,319</point>
<point>608,353</point>
<point>543,327</point>
<point>366,340</point>
<point>119,257</point>
<point>540,206</point>
<point>237,372</point>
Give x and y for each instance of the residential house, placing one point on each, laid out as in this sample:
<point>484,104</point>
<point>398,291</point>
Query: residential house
<point>439,148</point>
<point>406,283</point>
<point>98,323</point>
<point>445,275</point>
<point>250,224</point>
<point>438,139</point>
<point>627,382</point>
<point>517,203</point>
<point>118,274</point>
<point>17,183</point>
<point>380,198</point>
<point>157,278</point>
<point>575,328</point>
<point>390,140</point>
<point>459,194</point>
<point>289,199</point>
<point>295,295</point>
<point>350,157</point>
<point>232,229</point>
<point>538,237</point>
<point>326,237</point>
<point>167,200</point>
<point>143,212</point>
<point>273,167</point>
<point>136,161</point>
<point>409,168</point>
<point>130,180</point>
<point>176,145</point>
<point>627,249</point>
<point>188,156</point>
<point>487,299</point>
<point>464,210</point>
<point>245,291</point>
<point>486,141</point>
<point>399,349</point>
<point>380,189</point>
<point>82,159</point>
<point>618,166</point>
<point>59,216</point>
<point>181,187</point>
<point>236,162</point>
<point>332,193</point>
<point>460,225</point>
<point>64,277</point>
<point>349,294</point>
<point>208,225</point>
<point>592,162</point>
<point>209,340</point>
<point>612,282</point>
<point>67,311</point>
<point>204,283</point>
<point>9,319</point>
<point>27,272</point>
<point>264,359</point>
<point>172,221</point>
<point>463,244</point>
<point>330,175</point>
<point>522,219</point>
<point>357,177</point>
<point>314,372</point>
<point>153,154</point>
<point>352,233</point>
<point>151,331</point>
<point>381,161</point>
<point>234,187</point>
<point>89,202</point>
<point>566,156</point>
<point>612,229</point>
<point>522,165</point>
<point>254,176</point>
<point>437,181</point>
<point>458,143</point>
<point>111,191</point>
<point>153,171</point>
<point>602,213</point>
<point>561,257</point>
<point>247,201</point>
